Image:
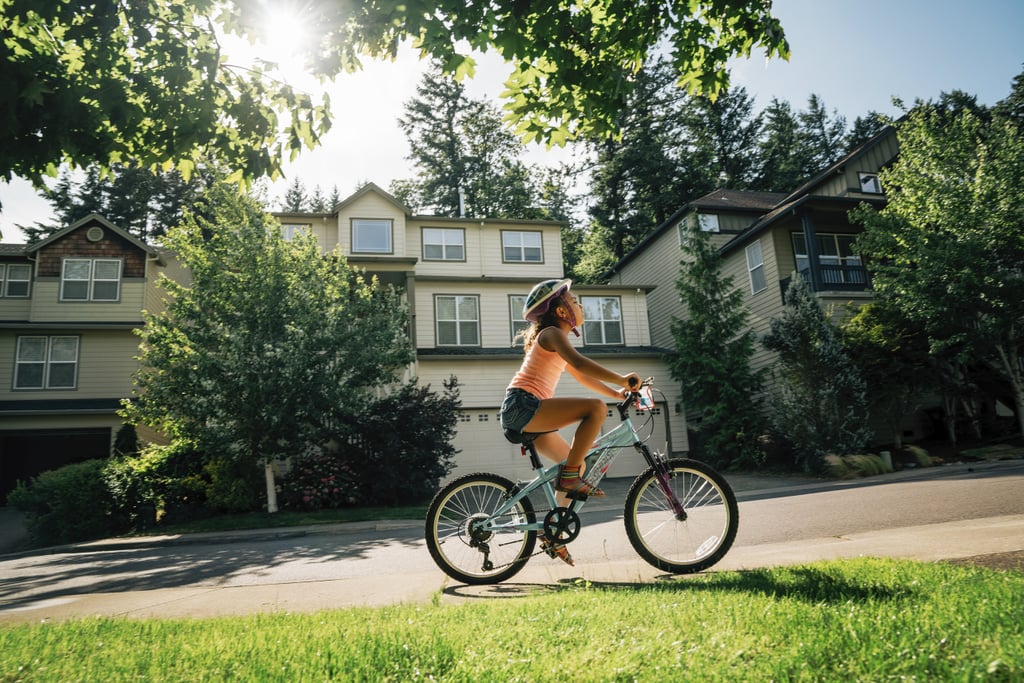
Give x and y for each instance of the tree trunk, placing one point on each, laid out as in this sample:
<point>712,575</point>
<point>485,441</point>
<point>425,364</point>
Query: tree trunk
<point>268,471</point>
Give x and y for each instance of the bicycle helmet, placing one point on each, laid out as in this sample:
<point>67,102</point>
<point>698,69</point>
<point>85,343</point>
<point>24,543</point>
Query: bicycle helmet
<point>542,296</point>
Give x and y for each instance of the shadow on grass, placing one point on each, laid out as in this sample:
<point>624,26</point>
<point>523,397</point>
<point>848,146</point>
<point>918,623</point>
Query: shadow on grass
<point>807,584</point>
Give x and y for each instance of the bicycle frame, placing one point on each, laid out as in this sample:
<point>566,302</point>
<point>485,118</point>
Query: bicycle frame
<point>621,436</point>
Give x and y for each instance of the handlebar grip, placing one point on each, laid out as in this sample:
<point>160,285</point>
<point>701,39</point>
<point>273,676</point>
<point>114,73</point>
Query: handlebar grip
<point>634,382</point>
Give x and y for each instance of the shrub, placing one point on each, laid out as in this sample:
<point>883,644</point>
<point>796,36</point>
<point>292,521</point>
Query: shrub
<point>232,486</point>
<point>402,444</point>
<point>920,455</point>
<point>69,504</point>
<point>852,466</point>
<point>319,481</point>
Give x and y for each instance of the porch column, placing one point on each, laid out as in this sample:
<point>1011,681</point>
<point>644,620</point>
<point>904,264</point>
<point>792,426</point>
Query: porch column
<point>811,239</point>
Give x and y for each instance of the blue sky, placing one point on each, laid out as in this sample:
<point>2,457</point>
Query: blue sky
<point>855,55</point>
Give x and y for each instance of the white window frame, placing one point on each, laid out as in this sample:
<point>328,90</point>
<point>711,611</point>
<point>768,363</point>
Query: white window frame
<point>6,280</point>
<point>596,326</point>
<point>708,222</point>
<point>869,183</point>
<point>458,321</point>
<point>514,247</point>
<point>50,348</point>
<point>359,241</point>
<point>289,231</point>
<point>448,240</point>
<point>92,280</point>
<point>517,321</point>
<point>755,267</point>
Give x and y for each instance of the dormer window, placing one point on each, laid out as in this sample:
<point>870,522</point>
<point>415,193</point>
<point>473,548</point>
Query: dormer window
<point>84,279</point>
<point>371,236</point>
<point>869,183</point>
<point>708,222</point>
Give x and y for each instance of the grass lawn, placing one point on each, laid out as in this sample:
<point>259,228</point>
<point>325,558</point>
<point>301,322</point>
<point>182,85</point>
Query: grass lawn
<point>853,620</point>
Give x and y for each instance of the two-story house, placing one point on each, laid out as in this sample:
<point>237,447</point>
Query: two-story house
<point>68,308</point>
<point>465,281</point>
<point>765,237</point>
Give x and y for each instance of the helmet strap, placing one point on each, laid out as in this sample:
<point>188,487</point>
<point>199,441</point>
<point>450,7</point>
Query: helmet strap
<point>572,314</point>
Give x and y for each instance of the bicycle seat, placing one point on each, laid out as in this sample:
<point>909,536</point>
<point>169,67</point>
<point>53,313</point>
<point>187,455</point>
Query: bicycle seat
<point>524,438</point>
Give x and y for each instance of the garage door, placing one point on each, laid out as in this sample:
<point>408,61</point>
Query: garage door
<point>25,454</point>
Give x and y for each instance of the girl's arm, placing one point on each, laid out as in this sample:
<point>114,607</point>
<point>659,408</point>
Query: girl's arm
<point>594,385</point>
<point>581,367</point>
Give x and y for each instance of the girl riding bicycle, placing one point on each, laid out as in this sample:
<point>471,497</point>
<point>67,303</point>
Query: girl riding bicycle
<point>530,405</point>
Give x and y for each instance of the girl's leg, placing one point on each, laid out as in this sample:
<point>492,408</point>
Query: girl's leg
<point>555,413</point>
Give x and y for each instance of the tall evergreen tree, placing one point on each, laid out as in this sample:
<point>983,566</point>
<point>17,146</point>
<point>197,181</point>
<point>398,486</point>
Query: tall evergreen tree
<point>822,135</point>
<point>296,199</point>
<point>781,168</point>
<point>822,408</point>
<point>146,203</point>
<point>727,132</point>
<point>864,128</point>
<point>711,359</point>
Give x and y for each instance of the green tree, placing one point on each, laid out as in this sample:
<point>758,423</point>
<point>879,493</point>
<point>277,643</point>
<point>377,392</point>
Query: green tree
<point>727,132</point>
<point>947,248</point>
<point>822,405</point>
<point>822,136</point>
<point>711,359</point>
<point>466,161</point>
<point>296,199</point>
<point>781,163</point>
<point>864,128</point>
<point>142,201</point>
<point>892,355</point>
<point>141,83</point>
<point>640,180</point>
<point>149,83</point>
<point>271,349</point>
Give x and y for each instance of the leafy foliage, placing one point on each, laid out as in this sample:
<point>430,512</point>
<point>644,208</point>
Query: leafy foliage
<point>947,248</point>
<point>319,481</point>
<point>711,358</point>
<point>271,346</point>
<point>823,405</point>
<point>146,84</point>
<point>69,504</point>
<point>399,466</point>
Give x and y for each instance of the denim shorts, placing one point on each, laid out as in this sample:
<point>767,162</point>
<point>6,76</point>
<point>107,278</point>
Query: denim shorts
<point>518,409</point>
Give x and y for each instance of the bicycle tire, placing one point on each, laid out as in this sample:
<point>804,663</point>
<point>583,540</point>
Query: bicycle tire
<point>682,546</point>
<point>450,539</point>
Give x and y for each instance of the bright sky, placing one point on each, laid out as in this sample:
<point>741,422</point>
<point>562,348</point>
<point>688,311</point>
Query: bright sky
<point>855,55</point>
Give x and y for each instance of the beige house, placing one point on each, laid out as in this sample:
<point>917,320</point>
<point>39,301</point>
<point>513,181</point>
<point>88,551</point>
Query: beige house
<point>69,305</point>
<point>68,308</point>
<point>763,239</point>
<point>465,281</point>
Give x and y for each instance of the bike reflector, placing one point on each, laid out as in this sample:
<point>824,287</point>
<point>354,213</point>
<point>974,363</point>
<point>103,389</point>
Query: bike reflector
<point>644,399</point>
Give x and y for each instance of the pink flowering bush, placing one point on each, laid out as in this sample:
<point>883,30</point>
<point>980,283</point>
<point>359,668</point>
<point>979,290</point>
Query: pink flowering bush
<point>319,482</point>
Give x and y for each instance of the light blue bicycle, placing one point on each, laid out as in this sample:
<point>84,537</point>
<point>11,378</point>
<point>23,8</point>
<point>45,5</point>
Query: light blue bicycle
<point>680,514</point>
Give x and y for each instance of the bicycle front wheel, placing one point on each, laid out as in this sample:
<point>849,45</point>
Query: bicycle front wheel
<point>688,540</point>
<point>459,542</point>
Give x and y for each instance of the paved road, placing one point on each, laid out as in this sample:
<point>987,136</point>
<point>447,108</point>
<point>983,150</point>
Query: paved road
<point>943,513</point>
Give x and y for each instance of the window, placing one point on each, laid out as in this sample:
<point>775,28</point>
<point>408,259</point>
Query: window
<point>46,363</point>
<point>708,222</point>
<point>839,264</point>
<point>521,247</point>
<point>14,279</point>
<point>515,304</point>
<point>444,244</point>
<point>869,183</point>
<point>371,236</point>
<point>292,230</point>
<point>90,280</point>
<point>755,266</point>
<point>602,320</point>
<point>457,320</point>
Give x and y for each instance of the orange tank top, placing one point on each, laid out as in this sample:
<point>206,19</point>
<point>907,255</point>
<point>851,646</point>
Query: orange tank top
<point>539,372</point>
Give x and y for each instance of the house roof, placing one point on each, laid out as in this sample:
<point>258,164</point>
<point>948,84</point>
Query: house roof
<point>94,218</point>
<point>367,188</point>
<point>12,249</point>
<point>721,199</point>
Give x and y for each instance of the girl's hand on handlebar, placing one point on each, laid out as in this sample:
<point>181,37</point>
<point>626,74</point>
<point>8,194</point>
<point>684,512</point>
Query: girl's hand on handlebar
<point>631,381</point>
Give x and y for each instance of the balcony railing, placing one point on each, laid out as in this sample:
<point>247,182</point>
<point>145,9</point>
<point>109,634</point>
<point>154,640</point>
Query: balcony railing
<point>834,278</point>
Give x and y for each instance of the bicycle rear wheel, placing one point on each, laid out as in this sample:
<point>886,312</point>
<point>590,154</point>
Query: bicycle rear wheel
<point>682,543</point>
<point>461,548</point>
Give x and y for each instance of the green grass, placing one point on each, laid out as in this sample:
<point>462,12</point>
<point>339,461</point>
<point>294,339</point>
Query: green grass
<point>285,518</point>
<point>855,620</point>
